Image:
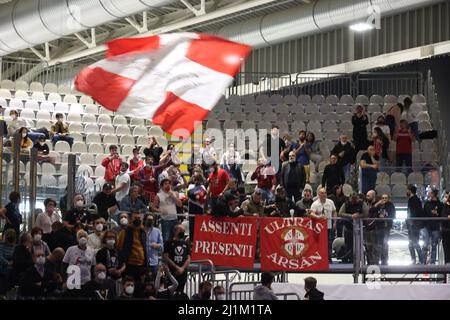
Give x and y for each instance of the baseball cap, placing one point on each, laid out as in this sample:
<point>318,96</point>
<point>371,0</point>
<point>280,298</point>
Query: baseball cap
<point>107,186</point>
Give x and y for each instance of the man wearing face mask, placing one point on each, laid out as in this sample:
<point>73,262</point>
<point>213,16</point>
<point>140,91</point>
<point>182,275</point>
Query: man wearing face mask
<point>219,293</point>
<point>230,162</point>
<point>38,243</point>
<point>134,251</point>
<point>204,291</point>
<point>128,288</point>
<point>218,183</point>
<point>99,288</point>
<point>37,281</point>
<point>155,243</point>
<point>275,142</point>
<point>45,219</point>
<point>60,130</point>
<point>123,183</point>
<point>78,213</point>
<point>95,238</point>
<point>293,177</point>
<point>177,255</point>
<point>166,203</point>
<point>43,151</point>
<point>123,224</point>
<point>15,122</point>
<point>82,257</point>
<point>346,154</point>
<point>109,256</point>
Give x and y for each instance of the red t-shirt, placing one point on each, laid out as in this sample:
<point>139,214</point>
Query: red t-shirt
<point>112,169</point>
<point>134,166</point>
<point>217,182</point>
<point>404,142</point>
<point>145,175</point>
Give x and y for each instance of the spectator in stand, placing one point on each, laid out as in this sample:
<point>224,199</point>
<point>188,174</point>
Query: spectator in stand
<point>45,219</point>
<point>136,165</point>
<point>381,145</point>
<point>54,263</point>
<point>25,142</point>
<point>324,208</point>
<point>264,290</point>
<point>78,213</point>
<point>219,293</point>
<point>404,139</point>
<point>204,291</point>
<point>208,153</point>
<point>411,117</point>
<point>149,178</point>
<point>95,238</point>
<point>271,149</point>
<point>196,159</point>
<point>177,255</point>
<point>381,123</point>
<point>370,230</point>
<point>38,243</point>
<point>177,181</point>
<point>155,244</point>
<point>128,284</point>
<point>346,154</point>
<point>393,116</point>
<point>22,259</point>
<point>282,206</point>
<point>360,122</point>
<point>333,175</point>
<point>231,164</point>
<point>165,283</point>
<point>131,203</point>
<point>338,197</point>
<point>81,256</point>
<point>123,224</point>
<point>301,151</point>
<point>353,209</point>
<point>217,183</point>
<point>254,205</point>
<point>12,215</point>
<point>166,203</point>
<point>6,258</point>
<point>316,155</point>
<point>266,176</point>
<point>60,237</point>
<point>369,164</point>
<point>106,202</point>
<point>134,249</point>
<point>154,150</point>
<point>311,291</point>
<point>432,209</point>
<point>15,122</point>
<point>43,151</point>
<point>196,200</point>
<point>108,255</point>
<point>284,154</point>
<point>293,177</point>
<point>60,131</point>
<point>112,165</point>
<point>122,183</point>
<point>445,229</point>
<point>306,201</point>
<point>99,288</point>
<point>386,209</point>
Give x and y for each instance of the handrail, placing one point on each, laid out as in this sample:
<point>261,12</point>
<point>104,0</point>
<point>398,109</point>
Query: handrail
<point>286,294</point>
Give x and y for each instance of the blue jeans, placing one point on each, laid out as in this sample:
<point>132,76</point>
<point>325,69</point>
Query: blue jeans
<point>414,126</point>
<point>413,245</point>
<point>167,227</point>
<point>267,195</point>
<point>346,169</point>
<point>368,179</point>
<point>35,135</point>
<point>57,137</point>
<point>434,236</point>
<point>405,158</point>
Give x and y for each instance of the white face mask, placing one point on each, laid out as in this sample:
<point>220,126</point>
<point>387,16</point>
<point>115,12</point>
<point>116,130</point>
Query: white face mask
<point>41,143</point>
<point>82,241</point>
<point>37,237</point>
<point>13,117</point>
<point>99,227</point>
<point>110,243</point>
<point>343,143</point>
<point>40,261</point>
<point>79,203</point>
<point>24,135</point>
<point>129,290</point>
<point>101,275</point>
<point>220,297</point>
<point>124,221</point>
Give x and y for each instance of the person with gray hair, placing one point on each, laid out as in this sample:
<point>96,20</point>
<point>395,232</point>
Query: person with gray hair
<point>132,203</point>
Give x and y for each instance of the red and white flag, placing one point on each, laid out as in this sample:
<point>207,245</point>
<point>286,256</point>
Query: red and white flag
<point>173,79</point>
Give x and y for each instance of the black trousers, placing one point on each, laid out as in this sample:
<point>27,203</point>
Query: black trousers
<point>296,193</point>
<point>182,279</point>
<point>446,244</point>
<point>134,271</point>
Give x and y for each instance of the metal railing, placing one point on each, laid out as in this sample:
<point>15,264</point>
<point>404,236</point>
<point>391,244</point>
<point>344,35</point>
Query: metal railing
<point>387,83</point>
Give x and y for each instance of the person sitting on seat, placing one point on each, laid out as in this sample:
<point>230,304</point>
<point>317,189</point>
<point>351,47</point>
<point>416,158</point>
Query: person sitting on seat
<point>60,131</point>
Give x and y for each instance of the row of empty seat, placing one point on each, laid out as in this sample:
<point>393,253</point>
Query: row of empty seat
<point>37,87</point>
<point>41,96</point>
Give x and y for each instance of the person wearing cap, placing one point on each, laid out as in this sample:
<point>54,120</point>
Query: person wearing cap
<point>352,209</point>
<point>254,205</point>
<point>293,177</point>
<point>105,201</point>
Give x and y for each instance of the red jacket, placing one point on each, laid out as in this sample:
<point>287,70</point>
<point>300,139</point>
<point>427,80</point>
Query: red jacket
<point>217,182</point>
<point>265,176</point>
<point>112,169</point>
<point>133,166</point>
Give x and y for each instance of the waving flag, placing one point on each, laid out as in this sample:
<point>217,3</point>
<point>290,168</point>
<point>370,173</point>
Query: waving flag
<point>173,79</point>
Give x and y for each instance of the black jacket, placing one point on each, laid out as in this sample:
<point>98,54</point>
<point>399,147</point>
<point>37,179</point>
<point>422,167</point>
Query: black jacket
<point>34,285</point>
<point>415,211</point>
<point>128,243</point>
<point>333,175</point>
<point>349,153</point>
<point>299,178</point>
<point>93,290</point>
<point>427,208</point>
<point>62,238</point>
<point>314,294</point>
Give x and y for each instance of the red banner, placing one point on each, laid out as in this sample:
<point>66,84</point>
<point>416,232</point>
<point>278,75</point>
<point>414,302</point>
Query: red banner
<point>229,242</point>
<point>294,244</point>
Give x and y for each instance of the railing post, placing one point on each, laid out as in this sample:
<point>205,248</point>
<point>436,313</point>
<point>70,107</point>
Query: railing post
<point>71,167</point>
<point>357,252</point>
<point>16,161</point>
<point>2,128</point>
<point>33,183</point>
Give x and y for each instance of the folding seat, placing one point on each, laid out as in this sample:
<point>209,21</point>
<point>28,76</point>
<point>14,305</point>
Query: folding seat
<point>425,126</point>
<point>89,118</point>
<point>377,99</point>
<point>415,178</point>
<point>5,93</point>
<point>48,169</point>
<point>428,157</point>
<point>127,150</point>
<point>346,126</point>
<point>44,124</point>
<point>318,99</point>
<point>43,115</point>
<point>248,99</point>
<point>342,108</point>
<point>119,120</point>
<point>262,99</point>
<point>54,97</point>
<point>419,98</point>
<point>141,141</point>
<point>138,122</point>
<point>16,104</point>
<point>86,100</point>
<point>346,116</point>
<point>362,99</point>
<point>76,108</point>
<point>416,108</point>
<point>428,146</point>
<point>31,105</point>
<point>62,146</point>
<point>332,99</point>
<point>110,139</point>
<point>276,99</point>
<point>212,124</point>
<point>123,130</point>
<point>61,107</point>
<point>383,189</point>
<point>270,116</point>
<point>70,98</point>
<point>326,108</point>
<point>50,88</point>
<point>96,148</point>
<point>62,182</point>
<point>372,108</point>
<point>264,125</point>
<point>91,108</point>
<point>74,117</point>
<point>223,116</point>
<point>283,127</point>
<point>91,128</point>
<point>27,114</point>
<point>21,85</point>
<point>155,131</point>
<point>7,84</point>
<point>104,119</point>
<point>402,97</point>
<point>304,99</point>
<point>99,171</point>
<point>331,136</point>
<point>4,103</point>
<point>47,106</point>
<point>290,99</point>
<point>398,178</point>
<point>330,126</point>
<point>383,178</point>
<point>76,127</point>
<point>297,126</point>
<point>230,125</point>
<point>22,95</point>
<point>390,99</point>
<point>311,108</point>
<point>314,126</point>
<point>79,147</point>
<point>264,108</point>
<point>48,181</point>
<point>76,136</point>
<point>246,125</point>
<point>107,129</point>
<point>87,160</point>
<point>140,131</point>
<point>233,99</point>
<point>102,110</point>
<point>36,87</point>
<point>64,89</point>
<point>399,191</point>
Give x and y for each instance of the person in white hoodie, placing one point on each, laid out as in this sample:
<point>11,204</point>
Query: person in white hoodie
<point>264,290</point>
